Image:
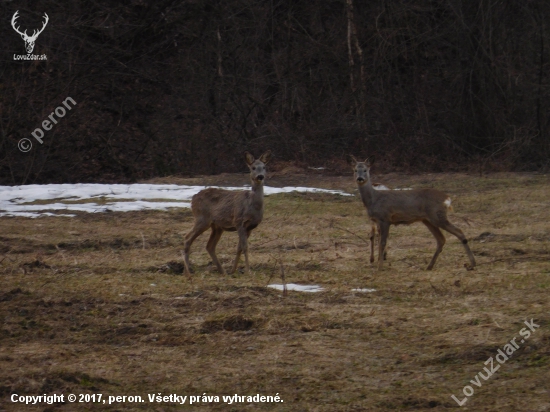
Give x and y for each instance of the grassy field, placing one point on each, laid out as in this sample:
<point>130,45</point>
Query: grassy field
<point>97,304</point>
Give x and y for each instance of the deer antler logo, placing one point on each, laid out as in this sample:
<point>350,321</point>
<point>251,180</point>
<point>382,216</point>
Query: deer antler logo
<point>29,40</point>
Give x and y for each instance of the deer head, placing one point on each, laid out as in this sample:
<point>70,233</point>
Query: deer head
<point>361,169</point>
<point>29,40</point>
<point>257,167</point>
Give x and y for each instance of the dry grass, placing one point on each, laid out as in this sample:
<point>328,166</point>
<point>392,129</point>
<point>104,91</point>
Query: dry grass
<point>92,304</point>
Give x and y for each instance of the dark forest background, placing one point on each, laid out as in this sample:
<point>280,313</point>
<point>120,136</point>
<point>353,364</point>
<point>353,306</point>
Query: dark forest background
<point>168,87</point>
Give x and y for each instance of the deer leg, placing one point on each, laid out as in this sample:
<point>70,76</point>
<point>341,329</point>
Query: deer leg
<point>245,250</point>
<point>440,239</point>
<point>449,227</point>
<point>375,233</point>
<point>242,247</point>
<point>385,250</point>
<point>211,246</point>
<point>197,230</point>
<point>372,234</point>
<point>237,258</point>
<point>384,228</point>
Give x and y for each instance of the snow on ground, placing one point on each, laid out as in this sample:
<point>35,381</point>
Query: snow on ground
<point>311,288</point>
<point>97,198</point>
<point>299,288</point>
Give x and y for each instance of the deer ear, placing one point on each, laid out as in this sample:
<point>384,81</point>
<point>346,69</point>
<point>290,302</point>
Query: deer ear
<point>265,157</point>
<point>352,160</point>
<point>249,158</point>
<point>370,160</point>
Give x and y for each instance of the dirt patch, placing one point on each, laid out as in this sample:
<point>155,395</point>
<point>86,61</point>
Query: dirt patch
<point>233,323</point>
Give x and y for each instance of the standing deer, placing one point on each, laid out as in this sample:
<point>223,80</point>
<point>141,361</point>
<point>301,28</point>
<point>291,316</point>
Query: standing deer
<point>29,40</point>
<point>387,208</point>
<point>225,210</point>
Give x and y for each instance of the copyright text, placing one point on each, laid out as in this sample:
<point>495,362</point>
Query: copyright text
<point>150,398</point>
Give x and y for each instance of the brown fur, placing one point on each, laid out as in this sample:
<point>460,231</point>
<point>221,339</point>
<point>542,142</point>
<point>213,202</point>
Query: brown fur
<point>388,208</point>
<point>224,210</point>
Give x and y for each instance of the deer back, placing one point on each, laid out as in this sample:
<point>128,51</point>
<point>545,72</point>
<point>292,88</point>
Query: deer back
<point>408,206</point>
<point>227,209</point>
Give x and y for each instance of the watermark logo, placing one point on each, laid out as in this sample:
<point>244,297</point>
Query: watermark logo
<point>25,144</point>
<point>502,356</point>
<point>29,40</point>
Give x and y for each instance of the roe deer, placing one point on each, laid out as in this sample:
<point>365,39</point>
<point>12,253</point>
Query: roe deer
<point>386,208</point>
<point>225,210</point>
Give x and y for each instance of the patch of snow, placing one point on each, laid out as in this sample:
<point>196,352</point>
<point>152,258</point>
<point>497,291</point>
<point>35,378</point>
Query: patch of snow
<point>380,186</point>
<point>111,197</point>
<point>298,288</point>
<point>312,288</point>
<point>275,190</point>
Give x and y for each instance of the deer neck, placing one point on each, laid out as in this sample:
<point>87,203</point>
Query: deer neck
<point>257,198</point>
<point>368,193</point>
